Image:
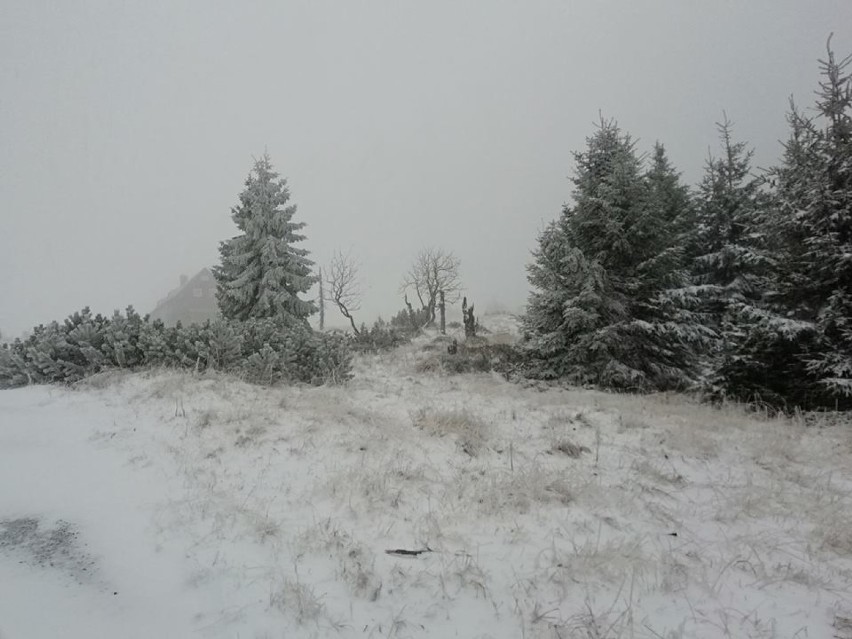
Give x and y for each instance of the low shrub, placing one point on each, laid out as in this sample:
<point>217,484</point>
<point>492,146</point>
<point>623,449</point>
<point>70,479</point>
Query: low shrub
<point>381,337</point>
<point>410,322</point>
<point>481,358</point>
<point>262,350</point>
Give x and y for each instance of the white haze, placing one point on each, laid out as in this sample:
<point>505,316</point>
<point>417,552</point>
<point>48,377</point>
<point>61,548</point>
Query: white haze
<point>127,129</point>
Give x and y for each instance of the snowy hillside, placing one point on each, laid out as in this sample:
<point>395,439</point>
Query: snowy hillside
<point>168,505</point>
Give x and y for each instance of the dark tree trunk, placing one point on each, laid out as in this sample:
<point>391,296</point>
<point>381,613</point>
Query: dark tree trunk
<point>443,307</point>
<point>321,303</point>
<point>469,319</point>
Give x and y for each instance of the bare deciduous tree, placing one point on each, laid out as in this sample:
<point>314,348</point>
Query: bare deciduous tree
<point>434,270</point>
<point>344,288</point>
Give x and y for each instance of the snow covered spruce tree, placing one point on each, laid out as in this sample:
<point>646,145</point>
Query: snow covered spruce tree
<point>671,203</point>
<point>612,300</point>
<point>262,271</point>
<point>796,348</point>
<point>731,262</point>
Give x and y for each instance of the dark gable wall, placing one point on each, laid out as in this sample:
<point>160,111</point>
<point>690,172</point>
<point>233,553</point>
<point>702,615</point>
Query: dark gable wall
<point>192,303</point>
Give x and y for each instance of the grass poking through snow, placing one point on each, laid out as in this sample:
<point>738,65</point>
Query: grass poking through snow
<point>532,513</point>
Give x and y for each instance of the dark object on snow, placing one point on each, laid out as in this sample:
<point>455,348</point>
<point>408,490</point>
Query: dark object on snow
<point>453,348</point>
<point>443,306</point>
<point>407,553</point>
<point>469,319</point>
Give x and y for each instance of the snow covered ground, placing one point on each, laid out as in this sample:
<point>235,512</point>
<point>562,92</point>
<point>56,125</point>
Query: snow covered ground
<point>166,504</point>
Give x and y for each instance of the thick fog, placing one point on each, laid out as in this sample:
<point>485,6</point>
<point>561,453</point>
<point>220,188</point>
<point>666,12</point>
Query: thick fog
<point>128,129</point>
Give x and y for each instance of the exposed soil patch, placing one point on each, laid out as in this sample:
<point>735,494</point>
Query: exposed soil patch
<point>56,546</point>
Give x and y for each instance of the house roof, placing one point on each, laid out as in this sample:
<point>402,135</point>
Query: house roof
<point>192,282</point>
<point>191,302</point>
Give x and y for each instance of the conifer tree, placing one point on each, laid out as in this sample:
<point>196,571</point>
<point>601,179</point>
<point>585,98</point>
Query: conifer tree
<point>732,259</point>
<point>611,299</point>
<point>824,212</point>
<point>669,222</point>
<point>669,195</point>
<point>731,262</point>
<point>262,271</point>
<point>796,348</point>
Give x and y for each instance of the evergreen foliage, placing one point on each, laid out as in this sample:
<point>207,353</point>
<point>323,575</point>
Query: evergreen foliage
<point>670,201</point>
<point>121,339</point>
<point>263,350</point>
<point>795,350</point>
<point>157,343</point>
<point>639,284</point>
<point>409,320</point>
<point>731,261</point>
<point>381,336</point>
<point>612,303</point>
<point>263,272</point>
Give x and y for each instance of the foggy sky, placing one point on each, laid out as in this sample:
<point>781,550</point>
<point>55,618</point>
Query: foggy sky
<point>127,129</point>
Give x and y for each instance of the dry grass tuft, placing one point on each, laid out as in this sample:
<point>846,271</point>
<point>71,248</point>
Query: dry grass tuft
<point>461,571</point>
<point>836,535</point>
<point>567,447</point>
<point>299,599</point>
<point>690,440</point>
<point>466,360</point>
<point>206,418</point>
<point>469,430</point>
<point>357,562</point>
<point>843,627</point>
<point>631,422</point>
<point>502,491</point>
<point>659,473</point>
<point>357,569</point>
<point>107,378</point>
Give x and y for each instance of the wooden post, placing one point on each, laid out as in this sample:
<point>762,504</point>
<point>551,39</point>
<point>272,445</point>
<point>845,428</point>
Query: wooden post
<point>443,315</point>
<point>321,303</point>
<point>411,316</point>
<point>469,319</point>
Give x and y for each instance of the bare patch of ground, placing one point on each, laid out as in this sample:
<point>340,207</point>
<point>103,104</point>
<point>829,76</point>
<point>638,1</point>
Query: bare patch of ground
<point>56,546</point>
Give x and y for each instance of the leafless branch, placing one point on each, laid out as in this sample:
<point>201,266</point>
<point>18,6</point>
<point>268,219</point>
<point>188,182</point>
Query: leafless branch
<point>433,270</point>
<point>344,287</point>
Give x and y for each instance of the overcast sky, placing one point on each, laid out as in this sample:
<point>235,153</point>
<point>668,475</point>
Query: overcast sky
<point>127,128</point>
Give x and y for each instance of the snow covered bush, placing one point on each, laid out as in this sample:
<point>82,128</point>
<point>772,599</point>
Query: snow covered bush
<point>482,358</point>
<point>315,358</point>
<point>157,343</point>
<point>55,353</point>
<point>121,339</point>
<point>263,350</point>
<point>380,337</point>
<point>410,321</point>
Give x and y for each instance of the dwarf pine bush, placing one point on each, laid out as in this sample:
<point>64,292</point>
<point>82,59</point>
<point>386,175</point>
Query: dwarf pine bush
<point>264,350</point>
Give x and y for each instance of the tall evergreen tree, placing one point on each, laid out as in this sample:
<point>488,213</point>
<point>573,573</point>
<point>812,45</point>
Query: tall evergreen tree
<point>815,198</point>
<point>668,194</point>
<point>796,348</point>
<point>731,262</point>
<point>729,231</point>
<point>262,271</point>
<point>611,301</point>
<point>671,214</point>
